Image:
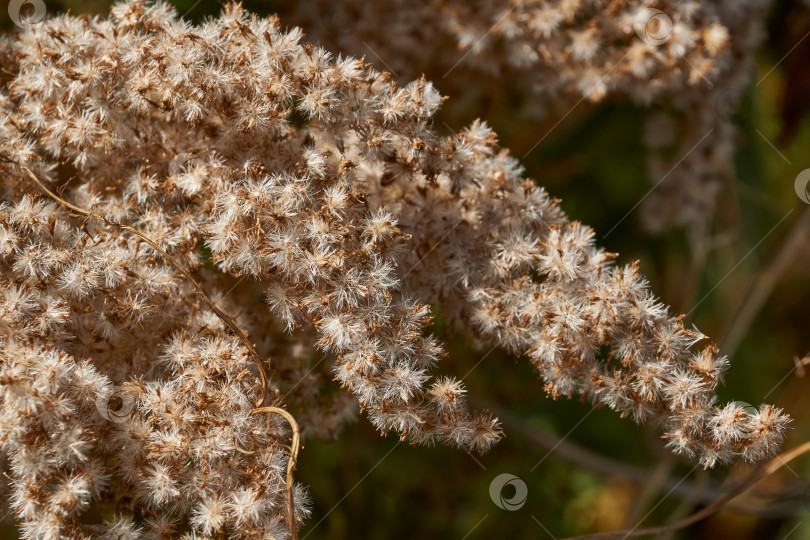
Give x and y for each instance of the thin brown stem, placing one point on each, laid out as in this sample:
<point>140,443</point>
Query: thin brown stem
<point>689,502</point>
<point>649,489</point>
<point>764,470</point>
<point>296,442</point>
<point>702,492</point>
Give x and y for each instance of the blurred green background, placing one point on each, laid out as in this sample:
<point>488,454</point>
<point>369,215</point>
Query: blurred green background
<point>366,486</point>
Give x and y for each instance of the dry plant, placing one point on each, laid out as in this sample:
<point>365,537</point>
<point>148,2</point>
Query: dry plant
<point>688,61</point>
<point>139,150</point>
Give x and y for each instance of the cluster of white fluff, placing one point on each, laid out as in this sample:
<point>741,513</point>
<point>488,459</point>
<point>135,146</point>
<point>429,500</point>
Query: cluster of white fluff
<point>83,309</point>
<point>316,184</point>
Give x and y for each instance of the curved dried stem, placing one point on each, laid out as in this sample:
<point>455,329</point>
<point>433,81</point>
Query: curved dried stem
<point>764,470</point>
<point>224,317</point>
<point>295,445</point>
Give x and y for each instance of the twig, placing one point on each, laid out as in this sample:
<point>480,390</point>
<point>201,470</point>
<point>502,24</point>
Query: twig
<point>759,473</point>
<point>780,505</point>
<point>689,502</point>
<point>764,284</point>
<point>649,489</point>
<point>224,317</point>
<point>296,441</point>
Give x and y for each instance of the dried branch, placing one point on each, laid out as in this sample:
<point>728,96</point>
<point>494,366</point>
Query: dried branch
<point>296,441</point>
<point>762,471</point>
<point>785,503</point>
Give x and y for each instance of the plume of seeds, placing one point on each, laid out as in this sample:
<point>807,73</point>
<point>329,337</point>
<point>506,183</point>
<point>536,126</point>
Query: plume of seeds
<point>129,374</point>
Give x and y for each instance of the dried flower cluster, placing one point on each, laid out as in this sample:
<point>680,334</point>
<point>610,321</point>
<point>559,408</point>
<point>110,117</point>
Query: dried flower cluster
<point>319,182</point>
<point>697,57</point>
<point>560,47</point>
